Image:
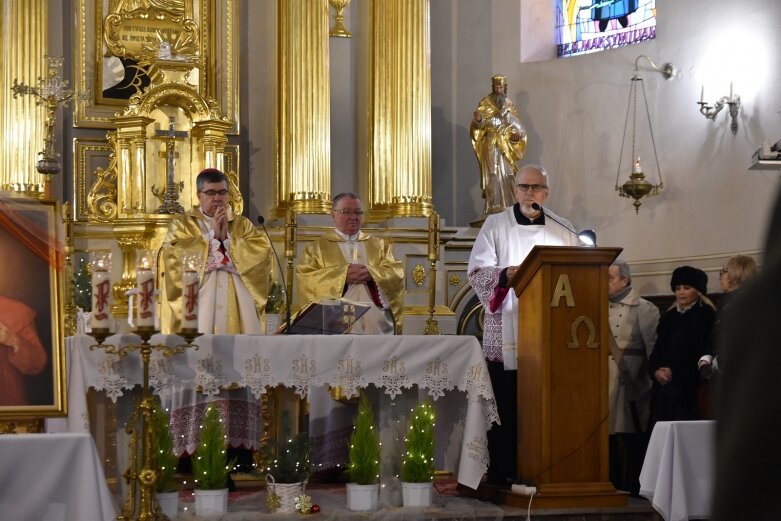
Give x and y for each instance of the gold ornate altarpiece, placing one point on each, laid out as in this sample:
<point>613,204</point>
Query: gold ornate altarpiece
<point>166,51</point>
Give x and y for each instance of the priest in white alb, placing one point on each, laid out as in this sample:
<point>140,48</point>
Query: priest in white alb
<point>504,241</point>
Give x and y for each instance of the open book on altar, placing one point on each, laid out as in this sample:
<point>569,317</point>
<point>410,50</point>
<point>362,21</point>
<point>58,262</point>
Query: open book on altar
<point>327,317</point>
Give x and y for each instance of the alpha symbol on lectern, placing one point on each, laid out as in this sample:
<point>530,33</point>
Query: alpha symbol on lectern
<point>563,290</point>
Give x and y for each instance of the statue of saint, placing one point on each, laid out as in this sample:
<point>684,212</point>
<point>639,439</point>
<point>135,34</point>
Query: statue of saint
<point>499,142</point>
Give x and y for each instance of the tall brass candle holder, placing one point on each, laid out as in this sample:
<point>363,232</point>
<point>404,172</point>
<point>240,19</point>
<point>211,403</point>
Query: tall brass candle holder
<point>432,326</point>
<point>141,474</point>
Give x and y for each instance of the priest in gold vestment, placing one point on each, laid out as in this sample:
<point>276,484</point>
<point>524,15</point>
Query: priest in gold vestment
<point>234,268</point>
<point>348,263</point>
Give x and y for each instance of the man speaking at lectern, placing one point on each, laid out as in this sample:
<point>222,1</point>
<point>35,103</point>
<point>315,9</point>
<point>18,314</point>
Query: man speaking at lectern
<point>503,243</point>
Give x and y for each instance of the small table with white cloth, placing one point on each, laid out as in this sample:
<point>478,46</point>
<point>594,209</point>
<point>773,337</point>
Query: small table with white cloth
<point>677,475</point>
<point>451,369</point>
<point>53,477</point>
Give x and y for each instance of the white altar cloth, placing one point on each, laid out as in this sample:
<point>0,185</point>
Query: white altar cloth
<point>52,477</point>
<point>450,368</point>
<point>677,475</point>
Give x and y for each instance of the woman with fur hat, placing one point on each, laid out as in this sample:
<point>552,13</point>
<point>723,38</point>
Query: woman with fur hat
<point>683,336</point>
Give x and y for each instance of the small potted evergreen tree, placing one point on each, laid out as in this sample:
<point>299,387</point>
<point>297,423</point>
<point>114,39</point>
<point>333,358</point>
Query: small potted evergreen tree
<point>211,467</point>
<point>363,461</point>
<point>166,488</point>
<point>417,468</point>
<point>288,473</point>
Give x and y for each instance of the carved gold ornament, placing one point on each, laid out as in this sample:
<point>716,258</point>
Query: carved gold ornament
<point>339,30</point>
<point>102,196</point>
<point>418,275</point>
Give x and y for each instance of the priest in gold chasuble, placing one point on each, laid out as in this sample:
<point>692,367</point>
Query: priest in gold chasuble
<point>348,263</point>
<point>234,263</point>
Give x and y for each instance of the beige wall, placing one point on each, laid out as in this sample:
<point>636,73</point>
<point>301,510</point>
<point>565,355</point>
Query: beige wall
<point>574,109</point>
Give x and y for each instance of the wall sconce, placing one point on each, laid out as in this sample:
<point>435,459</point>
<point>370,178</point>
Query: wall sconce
<point>710,111</point>
<point>638,186</point>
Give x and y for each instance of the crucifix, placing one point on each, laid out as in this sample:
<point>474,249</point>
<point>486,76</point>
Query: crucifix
<point>171,195</point>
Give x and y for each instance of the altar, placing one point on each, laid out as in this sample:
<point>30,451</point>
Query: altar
<point>450,370</point>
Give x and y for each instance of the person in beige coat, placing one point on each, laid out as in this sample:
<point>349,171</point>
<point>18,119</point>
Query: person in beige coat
<point>633,322</point>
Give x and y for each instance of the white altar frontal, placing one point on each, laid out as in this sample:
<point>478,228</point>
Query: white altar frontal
<point>450,370</point>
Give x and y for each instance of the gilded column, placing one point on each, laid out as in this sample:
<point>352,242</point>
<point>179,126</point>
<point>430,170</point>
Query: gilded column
<point>213,142</point>
<point>23,43</point>
<point>303,115</point>
<point>131,164</point>
<point>124,201</point>
<point>138,173</point>
<point>400,109</point>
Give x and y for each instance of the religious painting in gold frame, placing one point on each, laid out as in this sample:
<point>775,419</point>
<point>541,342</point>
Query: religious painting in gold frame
<point>32,351</point>
<point>97,67</point>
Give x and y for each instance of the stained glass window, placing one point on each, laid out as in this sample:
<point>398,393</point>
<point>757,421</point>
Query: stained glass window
<point>596,25</point>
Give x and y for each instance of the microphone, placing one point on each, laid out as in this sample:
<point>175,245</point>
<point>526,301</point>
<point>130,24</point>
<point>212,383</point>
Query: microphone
<point>262,222</point>
<point>586,237</point>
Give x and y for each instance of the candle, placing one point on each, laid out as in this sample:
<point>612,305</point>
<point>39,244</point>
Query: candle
<point>101,296</point>
<point>702,94</point>
<point>145,284</point>
<point>730,91</point>
<point>189,301</point>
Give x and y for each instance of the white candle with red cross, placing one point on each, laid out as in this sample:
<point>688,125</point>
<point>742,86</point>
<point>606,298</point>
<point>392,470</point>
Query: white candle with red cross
<point>101,291</point>
<point>190,288</point>
<point>145,284</point>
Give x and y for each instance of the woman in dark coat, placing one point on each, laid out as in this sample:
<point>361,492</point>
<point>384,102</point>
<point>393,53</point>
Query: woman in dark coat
<point>683,336</point>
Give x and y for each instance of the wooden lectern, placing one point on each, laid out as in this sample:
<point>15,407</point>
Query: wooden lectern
<point>563,377</point>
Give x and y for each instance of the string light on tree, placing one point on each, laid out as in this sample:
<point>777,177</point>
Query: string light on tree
<point>418,460</point>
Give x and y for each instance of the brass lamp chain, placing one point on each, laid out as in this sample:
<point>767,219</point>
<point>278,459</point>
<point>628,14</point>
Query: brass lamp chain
<point>623,136</point>
<point>651,130</point>
<point>632,102</point>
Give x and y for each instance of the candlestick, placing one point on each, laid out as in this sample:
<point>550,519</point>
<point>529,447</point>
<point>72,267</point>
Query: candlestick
<point>145,284</point>
<point>189,302</point>
<point>101,291</point>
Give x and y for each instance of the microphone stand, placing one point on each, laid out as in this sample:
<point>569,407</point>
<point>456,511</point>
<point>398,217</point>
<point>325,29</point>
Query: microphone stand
<point>262,222</point>
<point>540,209</point>
<point>586,237</point>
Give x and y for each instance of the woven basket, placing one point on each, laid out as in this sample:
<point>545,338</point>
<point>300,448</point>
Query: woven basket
<point>287,492</point>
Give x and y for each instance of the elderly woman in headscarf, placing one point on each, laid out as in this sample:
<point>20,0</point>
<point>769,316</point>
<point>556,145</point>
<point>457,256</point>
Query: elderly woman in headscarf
<point>683,336</point>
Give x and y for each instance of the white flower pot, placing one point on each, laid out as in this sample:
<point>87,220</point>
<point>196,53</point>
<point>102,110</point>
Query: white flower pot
<point>362,498</point>
<point>272,322</point>
<point>416,494</point>
<point>169,503</point>
<point>210,502</point>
